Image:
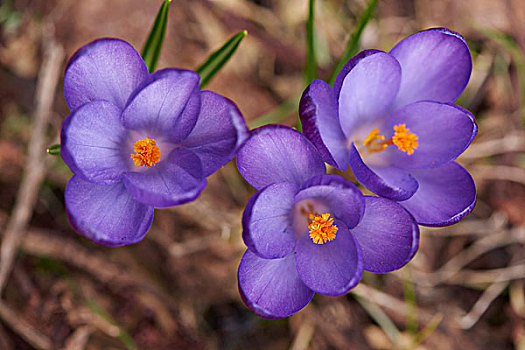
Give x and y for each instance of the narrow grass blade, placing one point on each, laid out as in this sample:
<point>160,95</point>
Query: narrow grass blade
<point>310,71</point>
<point>124,336</point>
<point>151,50</point>
<point>428,329</point>
<point>352,47</point>
<point>219,58</point>
<point>411,304</point>
<point>54,150</point>
<point>381,318</point>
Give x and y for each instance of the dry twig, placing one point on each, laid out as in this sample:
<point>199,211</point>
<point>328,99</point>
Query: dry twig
<point>500,172</point>
<point>481,246</point>
<point>483,303</point>
<point>78,340</point>
<point>509,273</point>
<point>22,328</point>
<point>35,168</point>
<point>514,142</point>
<point>388,302</point>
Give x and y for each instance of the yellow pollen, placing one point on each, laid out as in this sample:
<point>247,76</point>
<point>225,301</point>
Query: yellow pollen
<point>322,228</point>
<point>147,153</point>
<point>405,140</point>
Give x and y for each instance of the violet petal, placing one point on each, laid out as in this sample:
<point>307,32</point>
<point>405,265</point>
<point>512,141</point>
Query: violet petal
<point>436,65</point>
<point>318,112</point>
<point>91,142</point>
<point>267,221</point>
<point>105,69</point>
<point>219,132</point>
<point>345,200</point>
<point>388,182</point>
<point>348,67</point>
<point>167,104</point>
<point>276,153</point>
<point>332,268</point>
<point>271,287</point>
<point>444,131</point>
<point>445,195</point>
<point>368,91</point>
<point>387,234</point>
<point>176,180</point>
<point>106,214</point>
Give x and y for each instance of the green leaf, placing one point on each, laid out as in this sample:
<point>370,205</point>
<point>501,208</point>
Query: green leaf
<point>352,46</point>
<point>219,58</point>
<point>151,50</point>
<point>310,72</point>
<point>310,69</point>
<point>54,150</point>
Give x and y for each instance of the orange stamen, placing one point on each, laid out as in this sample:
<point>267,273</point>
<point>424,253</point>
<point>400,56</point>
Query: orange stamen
<point>405,140</point>
<point>322,228</point>
<point>147,153</point>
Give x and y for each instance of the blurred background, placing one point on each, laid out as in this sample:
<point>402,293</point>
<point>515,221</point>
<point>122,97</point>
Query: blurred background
<point>177,289</point>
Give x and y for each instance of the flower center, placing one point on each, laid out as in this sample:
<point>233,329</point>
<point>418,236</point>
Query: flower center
<point>147,153</point>
<point>322,228</point>
<point>403,138</point>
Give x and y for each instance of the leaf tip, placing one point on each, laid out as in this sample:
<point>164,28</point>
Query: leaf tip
<point>54,150</point>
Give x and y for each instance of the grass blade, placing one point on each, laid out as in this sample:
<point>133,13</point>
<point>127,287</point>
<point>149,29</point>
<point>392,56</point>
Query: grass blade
<point>412,325</point>
<point>219,58</point>
<point>352,46</point>
<point>122,335</point>
<point>384,322</point>
<point>151,50</point>
<point>310,71</point>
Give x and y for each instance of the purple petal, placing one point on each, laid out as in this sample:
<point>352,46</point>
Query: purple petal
<point>267,221</point>
<point>444,131</point>
<point>348,67</point>
<point>388,182</point>
<point>106,69</point>
<point>219,132</point>
<point>342,197</point>
<point>174,181</point>
<point>318,112</point>
<point>167,104</point>
<point>436,65</point>
<point>92,140</point>
<point>272,287</point>
<point>107,215</point>
<point>445,195</point>
<point>387,234</point>
<point>276,153</point>
<point>332,268</point>
<point>368,91</point>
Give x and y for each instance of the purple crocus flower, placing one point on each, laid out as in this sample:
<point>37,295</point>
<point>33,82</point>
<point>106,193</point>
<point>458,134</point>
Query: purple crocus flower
<point>309,232</point>
<point>138,141</point>
<point>391,117</point>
